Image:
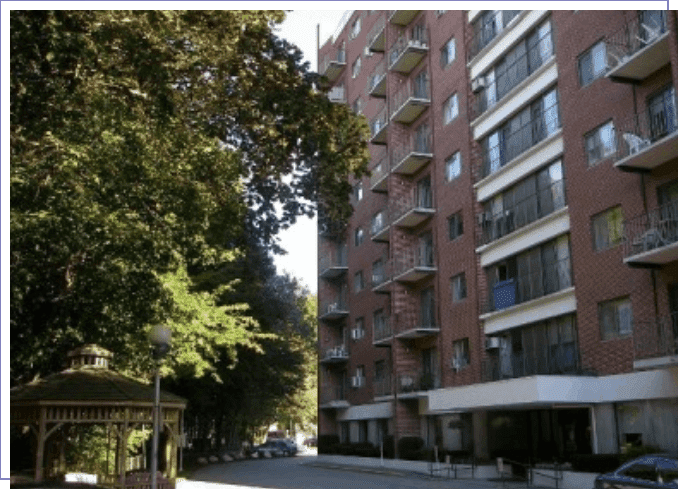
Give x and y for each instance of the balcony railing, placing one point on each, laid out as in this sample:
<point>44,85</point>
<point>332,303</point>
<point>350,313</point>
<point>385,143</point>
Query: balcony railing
<point>505,77</point>
<point>510,145</point>
<point>639,48</point>
<point>410,326</point>
<point>494,225</point>
<point>381,275</point>
<point>408,50</point>
<point>382,386</point>
<point>414,264</point>
<point>547,279</point>
<point>411,100</point>
<point>333,64</point>
<point>378,178</point>
<point>645,142</point>
<point>336,354</point>
<point>334,263</point>
<point>376,36</point>
<point>334,309</point>
<point>656,338</point>
<point>401,17</point>
<point>382,330</point>
<point>489,28</point>
<point>376,82</point>
<point>333,393</point>
<point>651,239</point>
<point>414,154</point>
<point>337,95</point>
<point>417,381</point>
<point>379,226</point>
<point>413,208</point>
<point>378,127</point>
<point>552,360</point>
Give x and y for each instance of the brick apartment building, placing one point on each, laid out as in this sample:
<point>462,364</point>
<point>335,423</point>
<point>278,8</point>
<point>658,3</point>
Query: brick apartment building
<point>508,282</point>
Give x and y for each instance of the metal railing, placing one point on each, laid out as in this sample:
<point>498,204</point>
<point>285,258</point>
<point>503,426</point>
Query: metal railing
<point>332,392</point>
<point>381,274</point>
<point>419,257</point>
<point>339,56</point>
<point>380,170</point>
<point>382,386</point>
<point>379,222</point>
<point>562,358</point>
<point>418,88</point>
<point>642,131</point>
<point>494,225</point>
<point>379,122</point>
<point>416,380</point>
<point>337,258</point>
<point>414,37</point>
<point>656,338</point>
<point>339,352</point>
<point>634,36</point>
<point>486,29</point>
<point>654,230</point>
<point>382,329</point>
<point>376,76</point>
<point>421,142</point>
<point>376,29</point>
<point>416,198</point>
<point>506,77</point>
<point>509,145</point>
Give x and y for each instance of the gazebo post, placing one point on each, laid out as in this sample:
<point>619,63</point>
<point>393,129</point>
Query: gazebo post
<point>123,456</point>
<point>40,456</point>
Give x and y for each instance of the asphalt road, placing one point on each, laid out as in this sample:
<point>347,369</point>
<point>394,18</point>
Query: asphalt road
<point>299,473</point>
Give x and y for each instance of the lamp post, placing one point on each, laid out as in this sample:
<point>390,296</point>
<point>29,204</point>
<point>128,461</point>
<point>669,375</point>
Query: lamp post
<point>160,337</point>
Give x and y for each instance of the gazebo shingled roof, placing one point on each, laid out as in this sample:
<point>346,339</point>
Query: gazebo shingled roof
<point>88,392</point>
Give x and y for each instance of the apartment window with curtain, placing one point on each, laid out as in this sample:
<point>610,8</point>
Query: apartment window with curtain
<point>461,356</point>
<point>458,287</point>
<point>358,191</point>
<point>448,53</point>
<point>358,237</point>
<point>358,282</point>
<point>616,318</point>
<point>450,109</point>
<point>355,69</point>
<point>592,64</point>
<point>455,225</point>
<point>453,167</point>
<point>608,228</point>
<point>600,143</point>
<point>355,28</point>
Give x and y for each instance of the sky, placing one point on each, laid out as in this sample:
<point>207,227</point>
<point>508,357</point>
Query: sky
<point>301,240</point>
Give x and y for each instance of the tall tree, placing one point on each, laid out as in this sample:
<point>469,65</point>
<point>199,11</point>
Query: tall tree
<point>145,144</point>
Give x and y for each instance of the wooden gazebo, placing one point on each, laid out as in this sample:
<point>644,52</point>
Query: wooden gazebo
<point>88,392</point>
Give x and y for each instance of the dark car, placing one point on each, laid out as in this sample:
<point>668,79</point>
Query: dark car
<point>276,448</point>
<point>656,471</point>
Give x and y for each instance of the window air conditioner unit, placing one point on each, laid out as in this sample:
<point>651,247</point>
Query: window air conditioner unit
<point>492,343</point>
<point>356,382</point>
<point>478,84</point>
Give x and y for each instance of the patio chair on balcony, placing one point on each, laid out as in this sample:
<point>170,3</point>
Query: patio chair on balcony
<point>635,142</point>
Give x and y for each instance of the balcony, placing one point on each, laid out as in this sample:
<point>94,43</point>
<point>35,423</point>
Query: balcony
<point>337,95</point>
<point>542,280</point>
<point>379,176</point>
<point>376,38</point>
<point>560,359</point>
<point>408,50</point>
<point>332,65</point>
<point>381,277</point>
<point>409,158</point>
<point>411,210</point>
<point>333,396</point>
<point>655,342</point>
<point>412,328</point>
<point>411,101</point>
<point>376,82</point>
<point>335,264</point>
<point>378,127</point>
<point>333,311</point>
<point>335,355</point>
<point>402,17</point>
<point>379,227</point>
<point>414,384</point>
<point>645,143</point>
<point>639,48</point>
<point>382,332</point>
<point>651,240</point>
<point>382,386</point>
<point>414,265</point>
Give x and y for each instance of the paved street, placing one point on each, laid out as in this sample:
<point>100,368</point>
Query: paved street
<point>299,473</point>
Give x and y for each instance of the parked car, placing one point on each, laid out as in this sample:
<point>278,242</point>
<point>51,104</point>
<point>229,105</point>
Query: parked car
<point>311,441</point>
<point>292,445</point>
<point>656,471</point>
<point>277,448</point>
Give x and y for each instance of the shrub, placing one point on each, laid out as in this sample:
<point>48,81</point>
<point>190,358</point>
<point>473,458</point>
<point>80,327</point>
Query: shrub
<point>409,447</point>
<point>629,452</point>
<point>327,444</point>
<point>365,449</point>
<point>344,449</point>
<point>601,462</point>
<point>389,447</point>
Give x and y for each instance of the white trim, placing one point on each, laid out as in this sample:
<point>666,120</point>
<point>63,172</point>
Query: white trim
<point>472,15</point>
<point>367,411</point>
<point>530,235</point>
<point>548,306</point>
<point>550,390</point>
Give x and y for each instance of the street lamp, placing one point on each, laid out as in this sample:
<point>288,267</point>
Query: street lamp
<point>160,337</point>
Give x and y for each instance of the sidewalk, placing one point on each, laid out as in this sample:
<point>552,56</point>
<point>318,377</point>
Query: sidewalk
<point>484,476</point>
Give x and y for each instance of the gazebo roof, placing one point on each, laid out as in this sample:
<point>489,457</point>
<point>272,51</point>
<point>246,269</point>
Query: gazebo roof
<point>89,381</point>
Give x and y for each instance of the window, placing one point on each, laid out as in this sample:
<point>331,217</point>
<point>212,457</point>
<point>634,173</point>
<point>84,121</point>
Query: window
<point>357,106</point>
<point>453,167</point>
<point>600,143</point>
<point>450,109</point>
<point>362,431</point>
<point>358,282</point>
<point>427,309</point>
<point>662,113</point>
<point>359,331</point>
<point>616,319</point>
<point>355,70</point>
<point>592,64</point>
<point>360,371</point>
<point>358,191</point>
<point>440,12</point>
<point>355,28</point>
<point>458,286</point>
<point>378,274</point>
<point>358,237</point>
<point>378,222</point>
<point>455,225</point>
<point>491,23</point>
<point>448,53</point>
<point>460,354</point>
<point>608,229</point>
